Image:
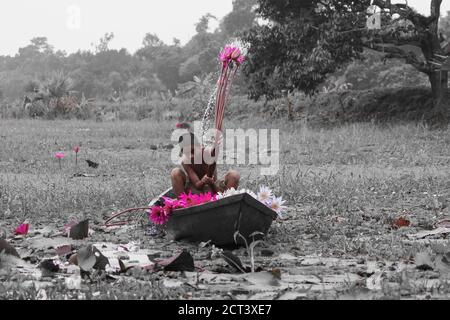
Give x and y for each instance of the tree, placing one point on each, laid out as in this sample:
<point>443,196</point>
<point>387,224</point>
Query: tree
<point>301,42</point>
<point>444,26</point>
<point>41,45</point>
<point>240,19</point>
<point>408,29</point>
<point>307,39</point>
<point>103,46</point>
<point>199,55</point>
<point>151,40</point>
<point>203,25</point>
<point>38,47</point>
<point>164,60</point>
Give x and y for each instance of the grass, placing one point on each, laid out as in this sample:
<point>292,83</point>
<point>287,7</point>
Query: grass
<point>344,185</point>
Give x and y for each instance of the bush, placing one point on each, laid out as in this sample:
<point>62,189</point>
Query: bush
<point>379,106</point>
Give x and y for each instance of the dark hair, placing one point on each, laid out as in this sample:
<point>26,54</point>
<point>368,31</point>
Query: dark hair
<point>188,139</point>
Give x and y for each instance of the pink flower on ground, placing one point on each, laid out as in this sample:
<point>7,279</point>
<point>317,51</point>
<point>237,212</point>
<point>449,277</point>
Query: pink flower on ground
<point>158,215</point>
<point>60,155</point>
<point>22,229</point>
<point>69,226</point>
<point>76,149</point>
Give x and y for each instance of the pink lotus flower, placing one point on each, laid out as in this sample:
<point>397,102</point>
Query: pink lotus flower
<point>188,199</point>
<point>161,214</point>
<point>60,155</point>
<point>22,229</point>
<point>232,52</point>
<point>236,54</point>
<point>206,197</point>
<point>174,203</point>
<point>226,53</point>
<point>158,215</point>
<point>232,56</point>
<point>241,59</point>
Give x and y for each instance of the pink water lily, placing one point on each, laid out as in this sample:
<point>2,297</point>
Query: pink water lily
<point>158,215</point>
<point>225,55</point>
<point>174,204</point>
<point>161,214</point>
<point>206,197</point>
<point>232,52</point>
<point>188,199</point>
<point>236,54</point>
<point>232,56</point>
<point>60,155</point>
<point>196,199</point>
<point>22,229</point>
<point>241,59</point>
<point>277,205</point>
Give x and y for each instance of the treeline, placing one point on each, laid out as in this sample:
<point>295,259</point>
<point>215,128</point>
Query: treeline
<point>104,73</point>
<point>41,81</point>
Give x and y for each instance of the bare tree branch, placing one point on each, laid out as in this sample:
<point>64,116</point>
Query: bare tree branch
<point>398,53</point>
<point>420,21</point>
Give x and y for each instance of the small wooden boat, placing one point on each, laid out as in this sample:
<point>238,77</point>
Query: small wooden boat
<point>219,221</point>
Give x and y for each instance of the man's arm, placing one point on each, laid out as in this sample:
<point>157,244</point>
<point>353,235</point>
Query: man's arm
<point>193,177</point>
<point>212,168</point>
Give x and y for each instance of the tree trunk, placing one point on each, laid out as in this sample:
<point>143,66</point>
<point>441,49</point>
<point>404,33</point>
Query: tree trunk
<point>444,81</point>
<point>289,105</point>
<point>439,86</point>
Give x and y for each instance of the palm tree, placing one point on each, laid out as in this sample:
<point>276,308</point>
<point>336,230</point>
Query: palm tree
<point>56,87</point>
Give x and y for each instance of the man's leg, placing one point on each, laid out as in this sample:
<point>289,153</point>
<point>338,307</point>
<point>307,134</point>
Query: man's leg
<point>178,181</point>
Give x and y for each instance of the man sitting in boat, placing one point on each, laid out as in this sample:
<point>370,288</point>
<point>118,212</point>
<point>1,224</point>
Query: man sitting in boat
<point>199,177</point>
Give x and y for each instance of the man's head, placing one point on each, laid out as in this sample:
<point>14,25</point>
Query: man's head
<point>190,146</point>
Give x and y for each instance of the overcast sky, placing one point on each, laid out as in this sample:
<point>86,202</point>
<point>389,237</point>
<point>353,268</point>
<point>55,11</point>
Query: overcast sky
<point>75,24</point>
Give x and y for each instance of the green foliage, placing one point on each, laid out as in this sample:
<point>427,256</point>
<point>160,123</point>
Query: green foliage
<point>197,94</point>
<point>57,86</point>
<point>104,42</point>
<point>301,44</point>
<point>374,72</point>
<point>243,17</point>
<point>163,60</point>
<point>203,25</point>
